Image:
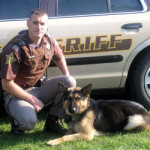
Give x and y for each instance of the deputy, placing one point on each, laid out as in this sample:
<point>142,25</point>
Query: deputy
<point>23,64</point>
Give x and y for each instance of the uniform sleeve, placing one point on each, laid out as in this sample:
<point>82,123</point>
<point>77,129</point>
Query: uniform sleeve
<point>58,53</point>
<point>10,62</point>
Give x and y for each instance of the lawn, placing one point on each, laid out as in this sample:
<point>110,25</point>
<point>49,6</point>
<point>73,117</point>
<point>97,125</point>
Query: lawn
<point>36,139</point>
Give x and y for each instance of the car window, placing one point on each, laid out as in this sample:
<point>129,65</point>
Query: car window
<point>125,5</point>
<point>15,9</point>
<point>49,6</point>
<point>80,7</point>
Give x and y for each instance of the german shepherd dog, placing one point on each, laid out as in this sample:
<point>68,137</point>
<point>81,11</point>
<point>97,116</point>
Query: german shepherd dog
<point>86,117</point>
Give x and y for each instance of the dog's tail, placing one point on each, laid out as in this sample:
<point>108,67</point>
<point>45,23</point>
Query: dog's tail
<point>146,126</point>
<point>138,123</point>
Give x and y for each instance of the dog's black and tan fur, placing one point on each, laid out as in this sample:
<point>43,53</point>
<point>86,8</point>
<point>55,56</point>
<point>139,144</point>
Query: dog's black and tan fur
<point>86,118</point>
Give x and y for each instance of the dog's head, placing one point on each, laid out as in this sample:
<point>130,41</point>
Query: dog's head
<point>75,100</point>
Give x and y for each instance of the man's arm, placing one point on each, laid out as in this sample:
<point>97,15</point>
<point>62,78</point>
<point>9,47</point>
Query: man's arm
<point>62,66</point>
<point>12,88</point>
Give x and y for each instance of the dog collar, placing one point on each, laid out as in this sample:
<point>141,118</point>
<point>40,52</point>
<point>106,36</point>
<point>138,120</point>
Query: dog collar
<point>76,117</point>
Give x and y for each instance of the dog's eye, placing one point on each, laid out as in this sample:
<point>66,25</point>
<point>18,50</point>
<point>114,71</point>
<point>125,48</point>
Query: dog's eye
<point>78,98</point>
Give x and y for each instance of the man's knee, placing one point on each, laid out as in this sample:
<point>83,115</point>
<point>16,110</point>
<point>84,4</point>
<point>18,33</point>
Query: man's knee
<point>28,122</point>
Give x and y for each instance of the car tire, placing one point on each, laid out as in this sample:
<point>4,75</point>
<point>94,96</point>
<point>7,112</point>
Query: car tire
<point>140,80</point>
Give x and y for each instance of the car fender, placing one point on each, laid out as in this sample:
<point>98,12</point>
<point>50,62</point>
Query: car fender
<point>131,58</point>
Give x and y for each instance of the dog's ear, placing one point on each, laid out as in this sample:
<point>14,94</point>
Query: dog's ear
<point>63,88</point>
<point>87,90</point>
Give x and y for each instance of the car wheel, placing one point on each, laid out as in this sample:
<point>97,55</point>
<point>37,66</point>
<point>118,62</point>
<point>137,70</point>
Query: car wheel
<point>140,80</point>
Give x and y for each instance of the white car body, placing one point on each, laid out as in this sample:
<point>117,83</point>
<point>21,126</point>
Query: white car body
<point>99,48</point>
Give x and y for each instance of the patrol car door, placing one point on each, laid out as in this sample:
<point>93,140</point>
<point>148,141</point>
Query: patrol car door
<point>98,44</point>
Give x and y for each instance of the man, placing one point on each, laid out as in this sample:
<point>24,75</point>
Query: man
<point>23,63</point>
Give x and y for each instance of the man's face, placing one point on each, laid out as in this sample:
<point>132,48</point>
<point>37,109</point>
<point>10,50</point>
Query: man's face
<point>37,26</point>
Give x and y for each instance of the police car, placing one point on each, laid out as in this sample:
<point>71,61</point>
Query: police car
<point>105,42</point>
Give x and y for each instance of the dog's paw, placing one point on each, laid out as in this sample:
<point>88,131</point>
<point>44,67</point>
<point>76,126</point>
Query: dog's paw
<point>50,143</point>
<point>53,142</point>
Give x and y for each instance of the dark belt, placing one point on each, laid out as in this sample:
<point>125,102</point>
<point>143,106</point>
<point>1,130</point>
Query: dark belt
<point>38,83</point>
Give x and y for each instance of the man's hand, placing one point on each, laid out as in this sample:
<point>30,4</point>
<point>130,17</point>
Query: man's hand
<point>12,88</point>
<point>37,104</point>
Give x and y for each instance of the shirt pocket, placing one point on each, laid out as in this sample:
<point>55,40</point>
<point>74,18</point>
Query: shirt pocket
<point>47,58</point>
<point>31,63</point>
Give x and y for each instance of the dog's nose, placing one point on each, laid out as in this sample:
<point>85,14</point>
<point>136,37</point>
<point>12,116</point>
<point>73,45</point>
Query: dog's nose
<point>72,109</point>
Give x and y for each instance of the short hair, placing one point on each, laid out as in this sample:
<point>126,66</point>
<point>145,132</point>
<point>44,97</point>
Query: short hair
<point>38,11</point>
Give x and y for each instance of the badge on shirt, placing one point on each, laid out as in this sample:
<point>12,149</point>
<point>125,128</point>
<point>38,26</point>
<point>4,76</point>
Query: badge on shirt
<point>10,59</point>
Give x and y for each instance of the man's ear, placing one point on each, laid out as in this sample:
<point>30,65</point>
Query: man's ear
<point>28,24</point>
<point>86,90</point>
<point>63,88</point>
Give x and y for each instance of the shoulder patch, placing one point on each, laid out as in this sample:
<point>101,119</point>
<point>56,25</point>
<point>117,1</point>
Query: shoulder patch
<point>10,59</point>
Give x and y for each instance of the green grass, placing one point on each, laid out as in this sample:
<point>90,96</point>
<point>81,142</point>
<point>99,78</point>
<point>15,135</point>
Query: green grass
<point>36,139</point>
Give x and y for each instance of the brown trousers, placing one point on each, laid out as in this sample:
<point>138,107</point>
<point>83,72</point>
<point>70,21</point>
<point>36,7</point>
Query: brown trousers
<point>23,113</point>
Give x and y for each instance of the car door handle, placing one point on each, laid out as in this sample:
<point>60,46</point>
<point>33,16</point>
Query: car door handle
<point>132,26</point>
